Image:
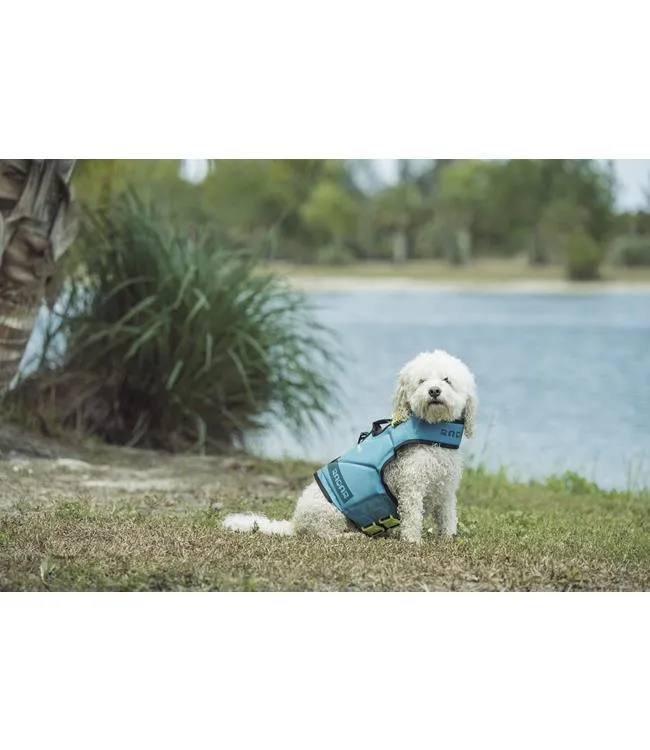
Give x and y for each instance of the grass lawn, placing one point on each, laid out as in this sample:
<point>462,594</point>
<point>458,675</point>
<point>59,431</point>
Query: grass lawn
<point>561,535</point>
<point>489,270</point>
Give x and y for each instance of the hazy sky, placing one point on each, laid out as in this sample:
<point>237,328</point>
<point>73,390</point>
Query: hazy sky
<point>633,177</point>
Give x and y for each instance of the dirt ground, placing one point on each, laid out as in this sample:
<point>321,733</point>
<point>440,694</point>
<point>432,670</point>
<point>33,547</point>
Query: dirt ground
<point>34,470</point>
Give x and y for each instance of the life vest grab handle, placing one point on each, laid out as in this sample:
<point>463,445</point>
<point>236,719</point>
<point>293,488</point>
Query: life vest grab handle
<point>377,427</point>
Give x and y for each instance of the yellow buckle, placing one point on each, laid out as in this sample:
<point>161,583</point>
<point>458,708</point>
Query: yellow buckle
<point>380,526</point>
<point>373,529</point>
<point>389,522</point>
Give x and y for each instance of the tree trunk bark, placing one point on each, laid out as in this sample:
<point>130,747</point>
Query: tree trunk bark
<point>400,247</point>
<point>539,250</point>
<point>38,222</point>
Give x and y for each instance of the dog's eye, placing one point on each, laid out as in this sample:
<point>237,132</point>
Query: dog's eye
<point>447,381</point>
<point>421,381</point>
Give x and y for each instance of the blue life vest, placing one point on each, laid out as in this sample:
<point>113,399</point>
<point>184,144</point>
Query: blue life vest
<point>354,482</point>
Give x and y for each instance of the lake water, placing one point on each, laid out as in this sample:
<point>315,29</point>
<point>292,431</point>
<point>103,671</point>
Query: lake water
<point>563,379</point>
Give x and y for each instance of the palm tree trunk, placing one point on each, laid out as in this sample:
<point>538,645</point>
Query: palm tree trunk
<point>38,222</point>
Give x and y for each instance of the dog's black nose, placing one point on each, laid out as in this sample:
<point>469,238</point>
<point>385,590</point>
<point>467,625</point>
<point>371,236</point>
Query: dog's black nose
<point>434,392</point>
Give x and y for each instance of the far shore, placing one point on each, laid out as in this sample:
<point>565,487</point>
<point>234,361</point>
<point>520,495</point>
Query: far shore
<point>496,276</point>
<point>374,284</point>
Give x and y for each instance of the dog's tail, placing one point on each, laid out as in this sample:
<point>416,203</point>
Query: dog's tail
<point>247,522</point>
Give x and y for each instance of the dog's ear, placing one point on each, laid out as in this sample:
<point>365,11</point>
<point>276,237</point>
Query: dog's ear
<point>401,406</point>
<point>469,415</point>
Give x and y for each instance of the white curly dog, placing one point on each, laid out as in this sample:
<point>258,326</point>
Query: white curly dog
<point>436,387</point>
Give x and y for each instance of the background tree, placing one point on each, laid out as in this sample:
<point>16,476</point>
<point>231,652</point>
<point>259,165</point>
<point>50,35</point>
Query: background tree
<point>324,211</point>
<point>331,213</point>
<point>262,201</point>
<point>646,193</point>
<point>523,190</point>
<point>403,210</point>
<point>462,191</point>
<point>99,181</point>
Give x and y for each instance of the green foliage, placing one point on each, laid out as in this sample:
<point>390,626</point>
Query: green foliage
<point>632,251</point>
<point>462,189</point>
<point>584,257</point>
<point>180,342</point>
<point>558,221</point>
<point>434,240</point>
<point>334,254</point>
<point>303,203</point>
<point>630,224</point>
<point>396,207</point>
<point>571,483</point>
<point>330,211</point>
<point>249,193</point>
<point>397,213</point>
<point>523,191</point>
<point>99,181</point>
<point>453,209</point>
<point>591,187</point>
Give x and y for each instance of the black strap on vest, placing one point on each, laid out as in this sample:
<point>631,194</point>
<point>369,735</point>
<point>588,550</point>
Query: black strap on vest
<point>377,427</point>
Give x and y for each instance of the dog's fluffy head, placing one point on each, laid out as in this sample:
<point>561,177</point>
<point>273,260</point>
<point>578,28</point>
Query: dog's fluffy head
<point>436,387</point>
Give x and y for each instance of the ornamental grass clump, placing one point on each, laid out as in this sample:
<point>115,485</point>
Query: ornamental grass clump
<point>173,341</point>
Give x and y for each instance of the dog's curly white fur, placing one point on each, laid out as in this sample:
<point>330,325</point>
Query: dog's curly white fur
<point>436,387</point>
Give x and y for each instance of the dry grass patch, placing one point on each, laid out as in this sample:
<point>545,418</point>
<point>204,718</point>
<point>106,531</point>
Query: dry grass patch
<point>564,534</point>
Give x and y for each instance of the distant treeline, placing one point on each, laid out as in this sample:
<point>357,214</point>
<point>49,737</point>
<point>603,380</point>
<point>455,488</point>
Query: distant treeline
<point>335,212</point>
